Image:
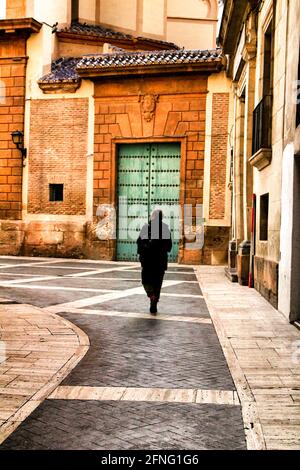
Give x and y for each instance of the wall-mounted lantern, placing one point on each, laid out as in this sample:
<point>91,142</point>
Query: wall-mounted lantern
<point>18,140</point>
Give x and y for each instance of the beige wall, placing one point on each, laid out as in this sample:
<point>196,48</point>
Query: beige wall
<point>269,179</point>
<point>119,13</point>
<point>54,11</point>
<point>290,213</point>
<point>87,11</point>
<point>2,9</point>
<point>192,23</point>
<point>190,8</point>
<point>154,17</point>
<point>191,35</point>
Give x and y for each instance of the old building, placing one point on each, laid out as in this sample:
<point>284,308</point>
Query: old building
<point>261,41</point>
<point>117,118</point>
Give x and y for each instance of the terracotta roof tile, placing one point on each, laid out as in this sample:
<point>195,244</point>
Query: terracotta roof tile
<point>62,70</point>
<point>108,33</point>
<point>128,59</point>
<point>65,70</point>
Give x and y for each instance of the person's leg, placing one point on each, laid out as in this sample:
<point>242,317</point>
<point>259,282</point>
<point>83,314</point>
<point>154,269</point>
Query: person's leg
<point>158,284</point>
<point>146,281</point>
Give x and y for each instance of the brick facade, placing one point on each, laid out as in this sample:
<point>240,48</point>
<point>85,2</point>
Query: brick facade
<point>219,149</point>
<point>12,99</point>
<point>58,155</point>
<point>180,114</point>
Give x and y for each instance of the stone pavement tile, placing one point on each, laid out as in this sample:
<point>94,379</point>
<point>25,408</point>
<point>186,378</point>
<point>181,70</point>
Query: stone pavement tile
<point>183,288</point>
<point>167,305</point>
<point>42,297</point>
<point>40,270</point>
<point>259,344</point>
<point>142,353</point>
<point>90,283</point>
<point>22,375</point>
<point>136,426</point>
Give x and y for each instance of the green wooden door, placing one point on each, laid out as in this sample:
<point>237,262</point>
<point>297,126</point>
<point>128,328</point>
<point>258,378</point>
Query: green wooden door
<point>148,179</point>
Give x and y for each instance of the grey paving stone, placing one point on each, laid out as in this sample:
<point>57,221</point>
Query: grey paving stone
<point>17,260</point>
<point>158,426</point>
<point>43,297</point>
<point>87,283</point>
<point>42,270</point>
<point>184,288</point>
<point>145,353</point>
<point>139,303</point>
<point>89,266</point>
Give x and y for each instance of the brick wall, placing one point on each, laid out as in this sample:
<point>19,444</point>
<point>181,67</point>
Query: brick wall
<point>219,149</point>
<point>176,115</point>
<point>180,113</point>
<point>58,155</point>
<point>12,93</point>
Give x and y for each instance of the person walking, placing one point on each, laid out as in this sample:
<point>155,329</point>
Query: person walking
<point>153,246</point>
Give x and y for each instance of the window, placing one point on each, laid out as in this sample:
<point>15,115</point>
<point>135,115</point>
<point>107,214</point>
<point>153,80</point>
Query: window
<point>264,217</point>
<point>262,115</point>
<point>268,61</point>
<point>75,10</point>
<point>56,192</point>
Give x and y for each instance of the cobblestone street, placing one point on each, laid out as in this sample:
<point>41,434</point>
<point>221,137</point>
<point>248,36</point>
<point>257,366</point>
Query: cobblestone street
<point>146,382</point>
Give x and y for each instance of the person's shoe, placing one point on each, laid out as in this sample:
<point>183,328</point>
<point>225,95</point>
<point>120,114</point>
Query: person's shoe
<point>153,306</point>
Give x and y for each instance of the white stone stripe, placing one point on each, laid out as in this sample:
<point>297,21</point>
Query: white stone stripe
<point>23,275</point>
<point>103,298</point>
<point>159,316</point>
<point>17,285</point>
<point>119,279</point>
<point>32,265</point>
<point>70,289</point>
<point>190,296</point>
<point>100,271</point>
<point>214,397</point>
<point>31,279</point>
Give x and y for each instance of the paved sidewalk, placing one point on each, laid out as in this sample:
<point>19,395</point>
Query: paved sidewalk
<point>37,350</point>
<point>146,382</point>
<point>263,353</point>
<point>165,382</point>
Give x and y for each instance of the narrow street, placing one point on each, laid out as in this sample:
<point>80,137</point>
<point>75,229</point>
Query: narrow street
<point>145,382</point>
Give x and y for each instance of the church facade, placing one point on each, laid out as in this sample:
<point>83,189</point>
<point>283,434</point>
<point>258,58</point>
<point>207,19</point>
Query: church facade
<point>116,115</point>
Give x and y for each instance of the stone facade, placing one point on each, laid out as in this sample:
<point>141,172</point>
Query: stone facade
<point>262,41</point>
<point>73,119</point>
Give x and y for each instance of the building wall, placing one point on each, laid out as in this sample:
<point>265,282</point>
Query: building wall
<point>289,303</point>
<point>192,24</point>
<point>58,145</point>
<point>218,169</point>
<point>179,116</point>
<point>268,180</point>
<point>12,76</point>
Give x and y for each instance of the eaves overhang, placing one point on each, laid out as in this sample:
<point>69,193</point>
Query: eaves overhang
<point>19,25</point>
<point>231,24</point>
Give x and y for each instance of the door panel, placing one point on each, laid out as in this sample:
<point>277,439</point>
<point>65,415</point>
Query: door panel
<point>148,178</point>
